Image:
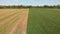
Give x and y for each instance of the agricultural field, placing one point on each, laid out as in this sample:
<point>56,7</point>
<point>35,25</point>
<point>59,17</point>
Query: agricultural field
<point>43,21</point>
<point>13,21</point>
<point>30,21</point>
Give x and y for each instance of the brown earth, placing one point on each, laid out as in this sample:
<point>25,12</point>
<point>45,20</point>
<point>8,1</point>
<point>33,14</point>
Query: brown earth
<point>20,24</point>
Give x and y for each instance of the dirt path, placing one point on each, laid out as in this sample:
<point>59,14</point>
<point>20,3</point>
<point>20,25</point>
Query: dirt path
<point>24,23</point>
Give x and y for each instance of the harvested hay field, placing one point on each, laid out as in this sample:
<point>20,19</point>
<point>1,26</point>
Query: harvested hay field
<point>13,21</point>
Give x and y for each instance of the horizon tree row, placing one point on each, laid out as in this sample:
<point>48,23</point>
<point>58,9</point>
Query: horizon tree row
<point>22,6</point>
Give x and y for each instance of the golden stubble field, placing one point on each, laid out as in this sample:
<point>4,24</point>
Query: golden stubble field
<point>13,21</point>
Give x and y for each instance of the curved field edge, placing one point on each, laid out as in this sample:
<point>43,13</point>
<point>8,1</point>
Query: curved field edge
<point>43,21</point>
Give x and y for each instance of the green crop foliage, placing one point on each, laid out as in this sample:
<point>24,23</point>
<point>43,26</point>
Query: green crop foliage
<point>43,21</point>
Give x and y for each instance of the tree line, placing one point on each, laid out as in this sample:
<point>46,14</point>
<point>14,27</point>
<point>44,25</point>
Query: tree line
<point>21,6</point>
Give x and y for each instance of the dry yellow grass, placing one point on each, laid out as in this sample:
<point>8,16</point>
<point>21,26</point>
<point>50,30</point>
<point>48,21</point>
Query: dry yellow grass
<point>12,19</point>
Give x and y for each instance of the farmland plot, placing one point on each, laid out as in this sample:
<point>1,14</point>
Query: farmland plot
<point>13,21</point>
<point>43,21</point>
